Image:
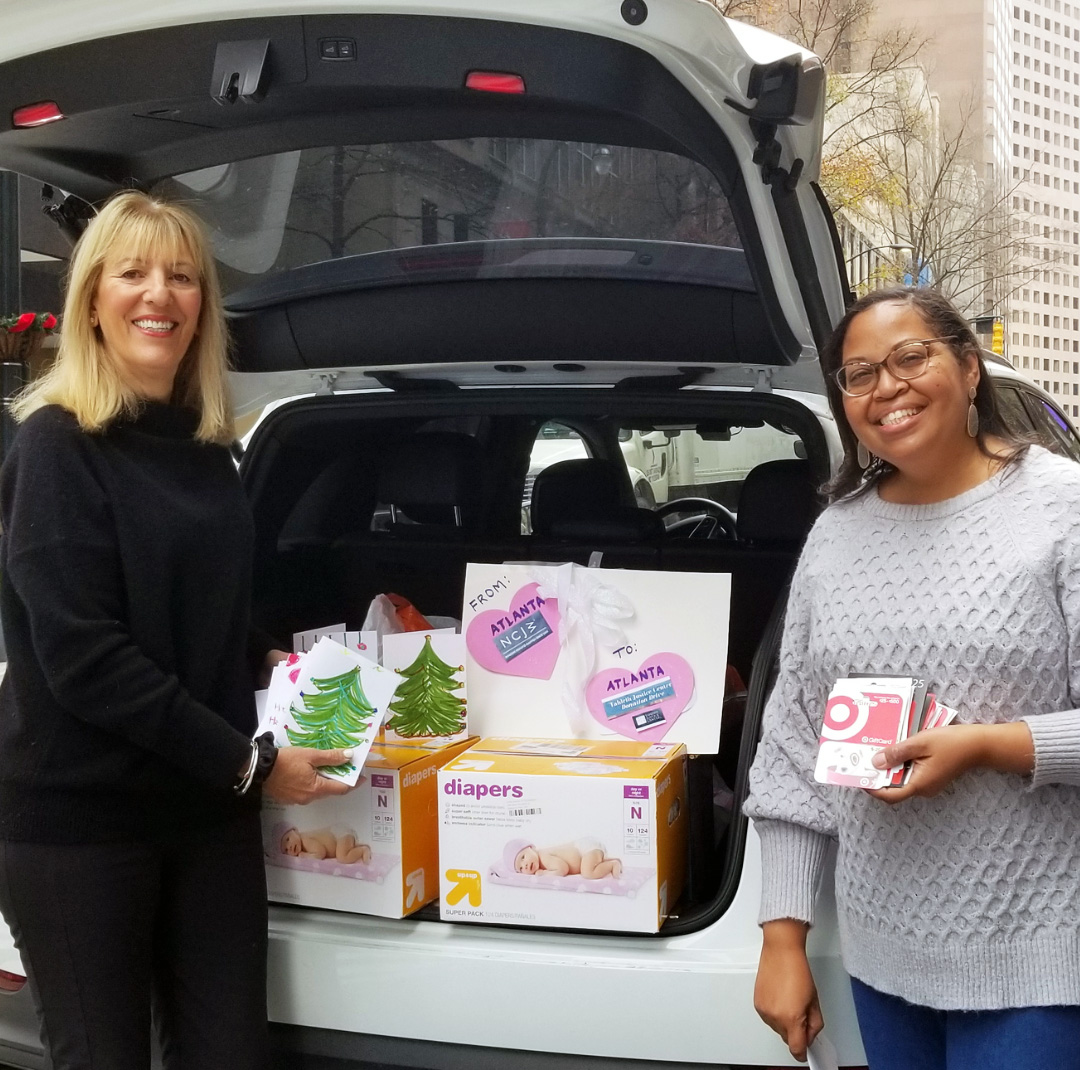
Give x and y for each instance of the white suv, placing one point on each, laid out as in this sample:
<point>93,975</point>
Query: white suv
<point>441,226</point>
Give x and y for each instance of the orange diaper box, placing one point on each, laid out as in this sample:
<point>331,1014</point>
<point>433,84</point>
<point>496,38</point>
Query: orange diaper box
<point>567,833</point>
<point>373,851</point>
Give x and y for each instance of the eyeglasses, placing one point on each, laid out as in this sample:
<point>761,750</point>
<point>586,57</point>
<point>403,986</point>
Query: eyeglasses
<point>908,360</point>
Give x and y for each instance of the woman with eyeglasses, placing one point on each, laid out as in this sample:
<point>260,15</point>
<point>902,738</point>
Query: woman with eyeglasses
<point>951,552</point>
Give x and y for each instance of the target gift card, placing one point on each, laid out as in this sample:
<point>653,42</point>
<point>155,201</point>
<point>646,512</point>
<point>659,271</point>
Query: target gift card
<point>862,716</point>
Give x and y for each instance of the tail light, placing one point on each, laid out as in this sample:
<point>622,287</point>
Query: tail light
<point>45,111</point>
<point>495,82</point>
<point>10,983</point>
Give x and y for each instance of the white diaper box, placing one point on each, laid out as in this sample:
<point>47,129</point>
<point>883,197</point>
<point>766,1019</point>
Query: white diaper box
<point>392,812</point>
<point>506,803</point>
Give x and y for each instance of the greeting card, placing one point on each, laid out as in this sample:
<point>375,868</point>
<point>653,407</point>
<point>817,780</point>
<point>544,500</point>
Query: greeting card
<point>329,698</point>
<point>430,704</point>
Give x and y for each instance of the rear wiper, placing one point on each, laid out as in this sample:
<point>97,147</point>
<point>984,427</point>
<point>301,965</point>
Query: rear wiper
<point>402,384</point>
<point>651,383</point>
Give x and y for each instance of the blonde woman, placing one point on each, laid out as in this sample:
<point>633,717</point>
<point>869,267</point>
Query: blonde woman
<point>131,869</point>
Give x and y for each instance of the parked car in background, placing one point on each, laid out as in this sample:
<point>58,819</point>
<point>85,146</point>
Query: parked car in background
<point>486,236</point>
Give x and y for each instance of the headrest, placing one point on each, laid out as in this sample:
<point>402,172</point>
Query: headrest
<point>427,474</point>
<point>777,504</point>
<point>582,489</point>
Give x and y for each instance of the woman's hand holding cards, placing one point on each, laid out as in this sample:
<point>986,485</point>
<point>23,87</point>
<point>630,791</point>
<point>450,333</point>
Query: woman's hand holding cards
<point>940,755</point>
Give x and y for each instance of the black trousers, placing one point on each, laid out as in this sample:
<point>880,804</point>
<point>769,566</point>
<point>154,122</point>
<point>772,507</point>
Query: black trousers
<point>115,935</point>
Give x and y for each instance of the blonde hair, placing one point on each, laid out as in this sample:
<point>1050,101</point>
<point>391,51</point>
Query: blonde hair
<point>84,379</point>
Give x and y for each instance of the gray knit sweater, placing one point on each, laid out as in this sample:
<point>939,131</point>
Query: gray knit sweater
<point>970,900</point>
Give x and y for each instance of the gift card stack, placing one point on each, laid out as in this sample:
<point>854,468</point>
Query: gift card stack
<point>867,713</point>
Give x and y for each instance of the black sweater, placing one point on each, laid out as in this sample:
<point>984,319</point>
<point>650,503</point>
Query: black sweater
<point>127,706</point>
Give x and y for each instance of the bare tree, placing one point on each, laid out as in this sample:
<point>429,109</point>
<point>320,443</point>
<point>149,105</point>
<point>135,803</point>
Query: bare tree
<point>891,170</point>
<point>923,193</point>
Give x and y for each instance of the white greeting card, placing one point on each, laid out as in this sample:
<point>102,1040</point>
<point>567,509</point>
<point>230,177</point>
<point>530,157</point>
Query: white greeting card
<point>430,704</point>
<point>331,697</point>
<point>596,653</point>
<point>302,642</point>
<point>366,642</point>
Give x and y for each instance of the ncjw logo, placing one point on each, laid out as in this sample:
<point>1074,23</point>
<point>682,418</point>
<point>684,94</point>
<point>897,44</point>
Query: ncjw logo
<point>520,633</point>
<point>480,791</point>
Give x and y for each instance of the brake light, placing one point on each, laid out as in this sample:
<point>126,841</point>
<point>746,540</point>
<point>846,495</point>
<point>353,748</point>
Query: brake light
<point>494,82</point>
<point>11,982</point>
<point>45,111</point>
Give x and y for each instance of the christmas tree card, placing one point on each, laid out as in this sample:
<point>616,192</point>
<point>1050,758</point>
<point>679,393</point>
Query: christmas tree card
<point>337,699</point>
<point>429,707</point>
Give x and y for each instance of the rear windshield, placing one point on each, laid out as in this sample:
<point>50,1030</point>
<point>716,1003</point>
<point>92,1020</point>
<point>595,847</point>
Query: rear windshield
<point>272,213</point>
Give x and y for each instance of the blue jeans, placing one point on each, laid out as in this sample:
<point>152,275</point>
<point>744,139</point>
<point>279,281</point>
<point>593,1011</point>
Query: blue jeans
<point>899,1035</point>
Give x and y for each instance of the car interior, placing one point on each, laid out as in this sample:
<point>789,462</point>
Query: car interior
<point>351,501</point>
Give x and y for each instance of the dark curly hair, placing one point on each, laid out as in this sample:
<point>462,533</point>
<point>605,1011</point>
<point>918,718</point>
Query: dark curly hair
<point>945,321</point>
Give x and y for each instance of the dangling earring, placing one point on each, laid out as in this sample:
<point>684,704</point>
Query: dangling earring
<point>862,455</point>
<point>972,415</point>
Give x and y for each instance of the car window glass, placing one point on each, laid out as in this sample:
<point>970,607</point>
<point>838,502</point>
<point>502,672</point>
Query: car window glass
<point>1053,427</point>
<point>272,213</point>
<point>554,442</point>
<point>708,461</point>
<point>1012,410</point>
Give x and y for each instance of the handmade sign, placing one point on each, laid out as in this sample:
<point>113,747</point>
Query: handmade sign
<point>429,705</point>
<point>329,698</point>
<point>596,653</point>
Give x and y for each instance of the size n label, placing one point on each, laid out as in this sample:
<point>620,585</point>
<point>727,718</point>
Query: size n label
<point>383,807</point>
<point>637,826</point>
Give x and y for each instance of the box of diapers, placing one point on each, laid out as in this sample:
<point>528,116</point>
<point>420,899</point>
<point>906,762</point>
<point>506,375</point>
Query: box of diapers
<point>372,851</point>
<point>566,833</point>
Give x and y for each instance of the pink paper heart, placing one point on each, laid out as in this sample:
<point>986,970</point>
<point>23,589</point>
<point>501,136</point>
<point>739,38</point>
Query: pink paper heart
<point>663,682</point>
<point>294,676</point>
<point>522,640</point>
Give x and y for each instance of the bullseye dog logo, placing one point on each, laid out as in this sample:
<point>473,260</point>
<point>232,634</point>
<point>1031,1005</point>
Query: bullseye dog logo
<point>861,717</point>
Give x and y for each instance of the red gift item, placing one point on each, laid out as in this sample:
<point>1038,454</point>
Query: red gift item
<point>409,617</point>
